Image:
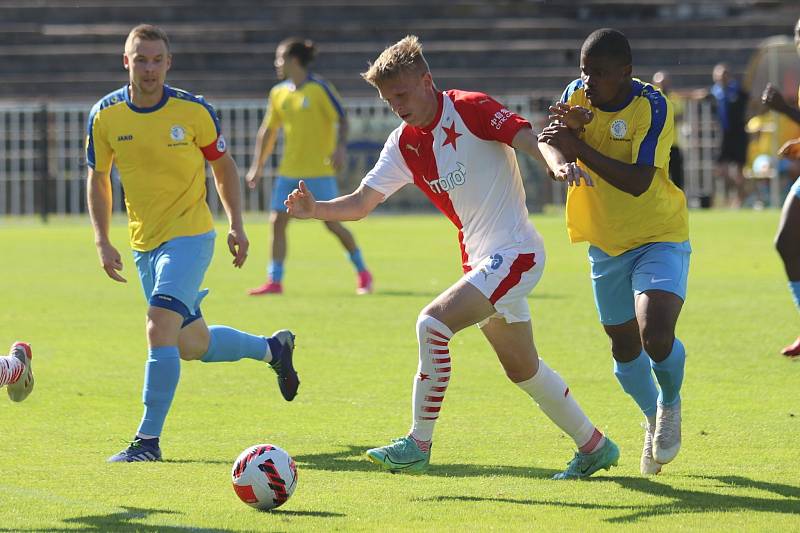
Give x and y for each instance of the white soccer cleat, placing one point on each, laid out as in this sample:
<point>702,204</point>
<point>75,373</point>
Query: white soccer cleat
<point>20,389</point>
<point>667,438</point>
<point>648,465</point>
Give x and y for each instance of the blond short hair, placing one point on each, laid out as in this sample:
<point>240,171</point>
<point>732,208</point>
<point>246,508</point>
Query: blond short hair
<point>403,56</point>
<point>146,32</point>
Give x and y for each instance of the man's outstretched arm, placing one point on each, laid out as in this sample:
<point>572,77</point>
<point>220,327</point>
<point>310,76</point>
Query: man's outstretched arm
<point>354,206</point>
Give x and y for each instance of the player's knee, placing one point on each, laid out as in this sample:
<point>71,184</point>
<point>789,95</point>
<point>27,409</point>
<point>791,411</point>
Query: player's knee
<point>522,367</point>
<point>192,350</point>
<point>625,348</point>
<point>159,334</point>
<point>657,344</point>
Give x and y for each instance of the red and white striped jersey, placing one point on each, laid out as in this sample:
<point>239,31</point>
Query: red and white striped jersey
<point>465,165</point>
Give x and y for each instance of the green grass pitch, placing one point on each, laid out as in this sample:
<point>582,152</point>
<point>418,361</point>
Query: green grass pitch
<point>494,450</point>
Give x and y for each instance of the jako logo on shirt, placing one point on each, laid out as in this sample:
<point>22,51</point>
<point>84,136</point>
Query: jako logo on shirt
<point>451,181</point>
<point>177,133</point>
<point>619,128</point>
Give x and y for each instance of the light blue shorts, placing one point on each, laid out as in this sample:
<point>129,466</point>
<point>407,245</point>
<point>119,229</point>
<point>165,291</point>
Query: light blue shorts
<point>795,188</point>
<point>172,273</point>
<point>324,188</point>
<point>617,279</point>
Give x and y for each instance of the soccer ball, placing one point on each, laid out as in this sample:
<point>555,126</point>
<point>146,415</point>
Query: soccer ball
<point>264,476</point>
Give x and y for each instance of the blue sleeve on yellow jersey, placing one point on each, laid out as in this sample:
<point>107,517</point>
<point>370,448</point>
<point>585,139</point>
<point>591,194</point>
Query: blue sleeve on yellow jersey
<point>108,100</point>
<point>571,88</point>
<point>658,116</point>
<point>183,95</point>
<point>335,101</point>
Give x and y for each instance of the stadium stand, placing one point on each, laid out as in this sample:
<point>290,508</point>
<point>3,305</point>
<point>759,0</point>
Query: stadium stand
<point>69,49</point>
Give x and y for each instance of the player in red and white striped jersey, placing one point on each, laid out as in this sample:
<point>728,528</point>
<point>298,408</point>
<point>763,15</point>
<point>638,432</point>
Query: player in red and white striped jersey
<point>458,148</point>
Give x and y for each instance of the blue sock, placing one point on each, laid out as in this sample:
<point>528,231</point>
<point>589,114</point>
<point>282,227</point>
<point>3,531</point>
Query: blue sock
<point>636,378</point>
<point>669,374</point>
<point>228,344</point>
<point>161,373</point>
<point>357,260</point>
<point>795,287</point>
<point>275,271</point>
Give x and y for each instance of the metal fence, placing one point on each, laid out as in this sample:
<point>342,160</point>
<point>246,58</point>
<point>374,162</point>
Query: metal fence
<point>43,168</point>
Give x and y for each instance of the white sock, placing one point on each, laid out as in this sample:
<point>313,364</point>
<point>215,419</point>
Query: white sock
<point>11,369</point>
<point>552,395</point>
<point>433,376</point>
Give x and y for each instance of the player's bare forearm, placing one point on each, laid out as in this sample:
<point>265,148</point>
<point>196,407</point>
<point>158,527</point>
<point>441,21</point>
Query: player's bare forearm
<point>525,141</point>
<point>265,143</point>
<point>552,156</point>
<point>354,206</point>
<point>774,100</point>
<point>226,177</point>
<point>629,178</point>
<point>98,199</point>
<point>342,132</point>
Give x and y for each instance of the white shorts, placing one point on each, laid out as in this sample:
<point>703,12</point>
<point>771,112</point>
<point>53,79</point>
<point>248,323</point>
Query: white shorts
<point>506,278</point>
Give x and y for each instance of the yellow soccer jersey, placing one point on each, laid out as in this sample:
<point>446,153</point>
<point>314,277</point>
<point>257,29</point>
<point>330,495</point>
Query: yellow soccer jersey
<point>160,154</point>
<point>309,115</point>
<point>639,132</point>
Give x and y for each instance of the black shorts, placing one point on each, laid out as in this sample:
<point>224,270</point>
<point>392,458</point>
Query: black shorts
<point>733,148</point>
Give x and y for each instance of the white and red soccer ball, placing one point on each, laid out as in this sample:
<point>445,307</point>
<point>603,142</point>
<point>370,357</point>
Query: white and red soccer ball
<point>264,476</point>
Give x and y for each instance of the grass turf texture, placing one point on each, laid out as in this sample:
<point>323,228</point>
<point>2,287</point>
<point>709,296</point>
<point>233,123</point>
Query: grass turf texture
<point>494,450</point>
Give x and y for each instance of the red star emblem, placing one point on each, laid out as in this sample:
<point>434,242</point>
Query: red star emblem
<point>423,377</point>
<point>452,135</point>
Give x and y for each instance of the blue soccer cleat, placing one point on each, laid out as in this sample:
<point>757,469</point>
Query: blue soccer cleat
<point>288,381</point>
<point>585,464</point>
<point>140,450</point>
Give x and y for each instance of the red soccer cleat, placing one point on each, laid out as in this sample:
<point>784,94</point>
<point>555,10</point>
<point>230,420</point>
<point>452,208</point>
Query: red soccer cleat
<point>270,287</point>
<point>364,282</point>
<point>793,350</point>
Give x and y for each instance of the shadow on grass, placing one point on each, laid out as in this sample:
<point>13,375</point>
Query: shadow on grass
<point>201,461</point>
<point>697,501</point>
<point>352,459</point>
<point>123,521</point>
<point>318,514</point>
<point>683,501</point>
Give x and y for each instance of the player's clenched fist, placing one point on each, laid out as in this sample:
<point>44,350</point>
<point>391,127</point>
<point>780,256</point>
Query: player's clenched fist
<point>301,203</point>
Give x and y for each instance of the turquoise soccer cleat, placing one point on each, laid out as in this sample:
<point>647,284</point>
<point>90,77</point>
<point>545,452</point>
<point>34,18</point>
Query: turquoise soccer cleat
<point>585,464</point>
<point>403,455</point>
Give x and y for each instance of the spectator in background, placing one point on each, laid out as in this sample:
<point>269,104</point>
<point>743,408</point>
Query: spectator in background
<point>309,111</point>
<point>662,80</point>
<point>731,107</point>
<point>787,241</point>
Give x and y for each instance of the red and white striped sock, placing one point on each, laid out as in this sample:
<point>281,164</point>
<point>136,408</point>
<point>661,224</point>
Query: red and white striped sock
<point>11,369</point>
<point>552,395</point>
<point>433,376</point>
